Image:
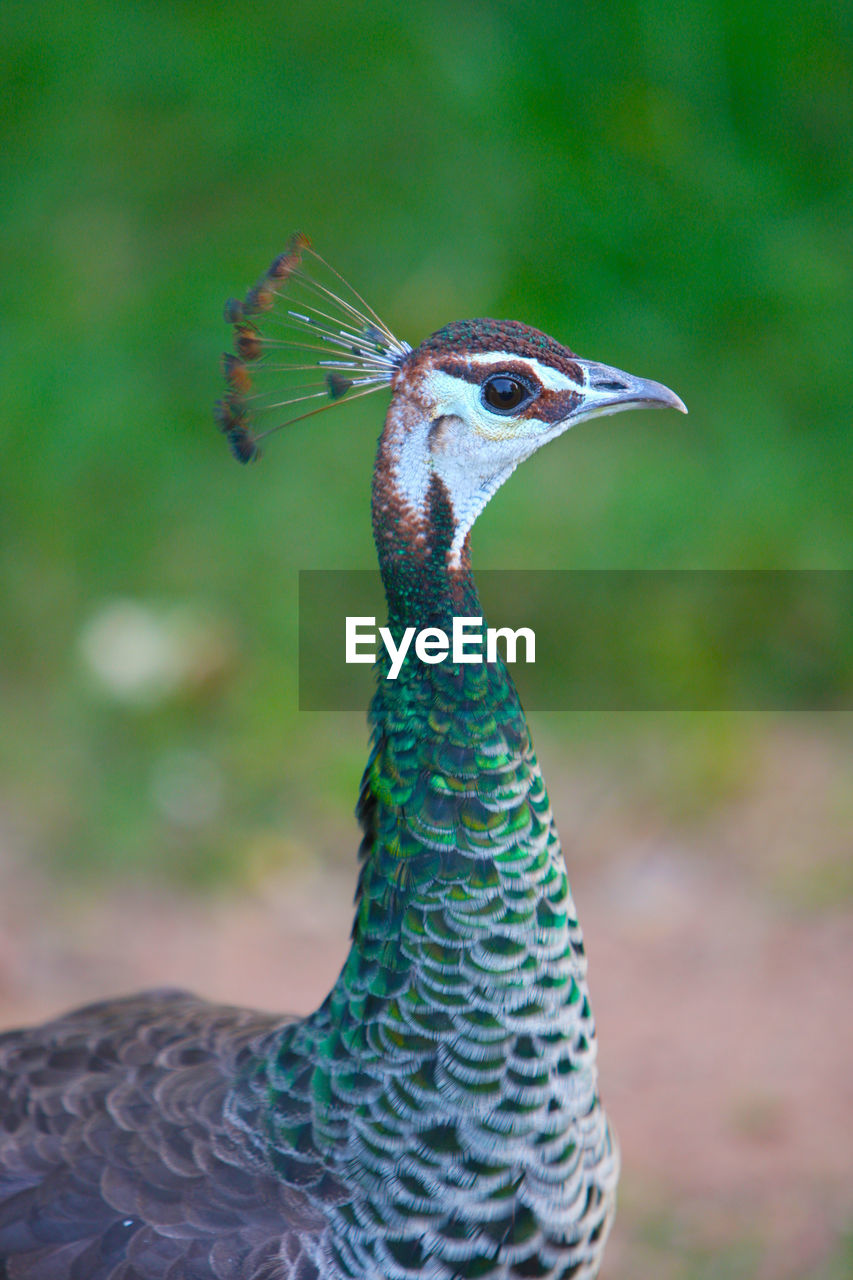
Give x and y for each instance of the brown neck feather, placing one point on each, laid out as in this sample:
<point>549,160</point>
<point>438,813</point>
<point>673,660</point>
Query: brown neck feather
<point>413,543</point>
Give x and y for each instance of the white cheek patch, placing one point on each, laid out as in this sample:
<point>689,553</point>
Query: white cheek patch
<point>448,396</point>
<point>491,428</point>
<point>472,460</point>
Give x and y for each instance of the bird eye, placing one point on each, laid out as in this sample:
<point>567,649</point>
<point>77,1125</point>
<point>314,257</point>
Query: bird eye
<point>503,393</point>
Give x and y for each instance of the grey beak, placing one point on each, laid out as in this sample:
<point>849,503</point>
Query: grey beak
<point>611,391</point>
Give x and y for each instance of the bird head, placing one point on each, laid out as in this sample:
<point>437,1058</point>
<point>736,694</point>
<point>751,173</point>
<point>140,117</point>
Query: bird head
<point>477,398</point>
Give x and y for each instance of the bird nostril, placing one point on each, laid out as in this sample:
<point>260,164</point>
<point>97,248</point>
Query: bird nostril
<point>613,385</point>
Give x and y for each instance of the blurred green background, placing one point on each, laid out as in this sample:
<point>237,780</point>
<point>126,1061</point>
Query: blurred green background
<point>665,187</point>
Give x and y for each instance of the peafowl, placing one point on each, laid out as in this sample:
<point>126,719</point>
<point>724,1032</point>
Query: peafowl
<point>438,1116</point>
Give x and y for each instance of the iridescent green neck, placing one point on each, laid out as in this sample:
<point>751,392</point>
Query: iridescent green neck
<point>436,797</point>
<point>435,794</point>
<point>458,1036</point>
<point>445,1091</point>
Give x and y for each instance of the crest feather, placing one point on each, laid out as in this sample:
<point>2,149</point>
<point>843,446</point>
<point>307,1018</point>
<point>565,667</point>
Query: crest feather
<point>300,334</point>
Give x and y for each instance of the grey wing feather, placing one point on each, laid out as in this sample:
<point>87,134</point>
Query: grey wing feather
<point>117,1161</point>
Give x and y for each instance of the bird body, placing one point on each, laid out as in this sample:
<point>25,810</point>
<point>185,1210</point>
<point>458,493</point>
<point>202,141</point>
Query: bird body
<point>438,1115</point>
<point>116,1156</point>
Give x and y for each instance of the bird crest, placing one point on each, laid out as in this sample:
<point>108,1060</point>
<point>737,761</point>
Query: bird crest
<point>301,335</point>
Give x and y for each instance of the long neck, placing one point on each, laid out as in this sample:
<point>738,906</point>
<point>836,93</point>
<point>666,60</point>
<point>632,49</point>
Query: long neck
<point>423,788</point>
<point>452,797</point>
<point>458,1039</point>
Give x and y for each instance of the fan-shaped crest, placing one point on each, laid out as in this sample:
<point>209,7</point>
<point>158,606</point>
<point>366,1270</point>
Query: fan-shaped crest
<point>301,335</point>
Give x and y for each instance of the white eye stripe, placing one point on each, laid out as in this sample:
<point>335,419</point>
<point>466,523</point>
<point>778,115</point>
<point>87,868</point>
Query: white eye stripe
<point>551,379</point>
<point>446,393</point>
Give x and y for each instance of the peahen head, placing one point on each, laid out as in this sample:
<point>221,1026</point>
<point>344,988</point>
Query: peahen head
<point>468,405</point>
<point>478,397</point>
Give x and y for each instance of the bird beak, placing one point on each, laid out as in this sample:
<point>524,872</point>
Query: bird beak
<point>610,391</point>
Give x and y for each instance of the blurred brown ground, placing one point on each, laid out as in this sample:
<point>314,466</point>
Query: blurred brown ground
<point>721,969</point>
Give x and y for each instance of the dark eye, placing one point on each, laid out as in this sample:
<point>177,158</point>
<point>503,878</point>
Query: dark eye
<point>503,393</point>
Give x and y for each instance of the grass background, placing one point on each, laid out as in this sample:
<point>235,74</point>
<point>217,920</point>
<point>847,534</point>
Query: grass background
<point>665,187</point>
